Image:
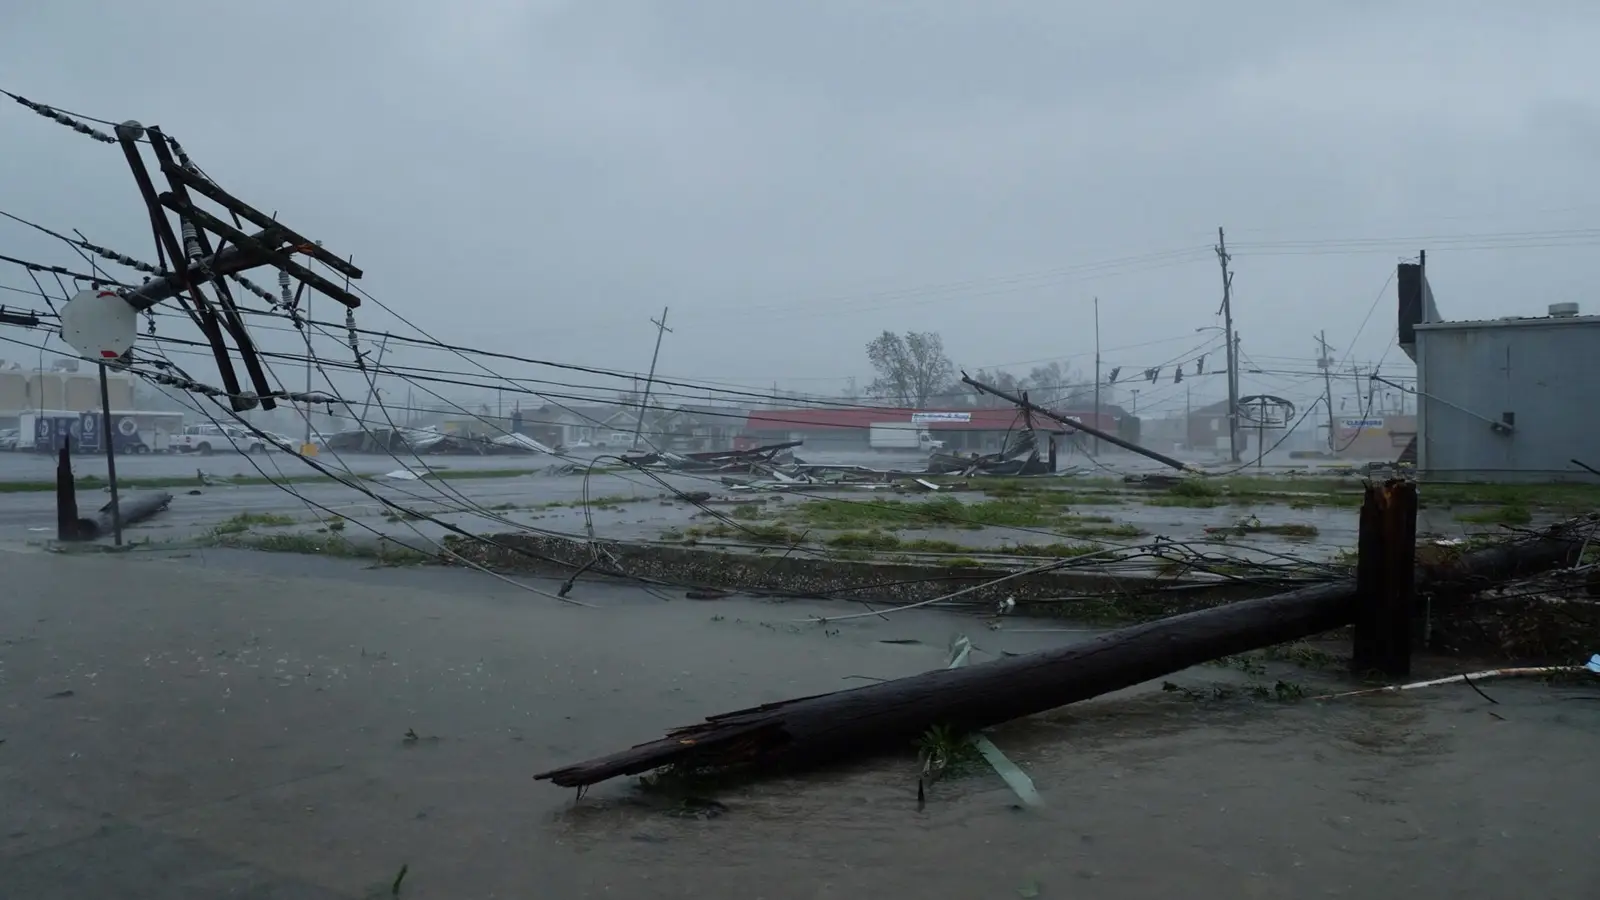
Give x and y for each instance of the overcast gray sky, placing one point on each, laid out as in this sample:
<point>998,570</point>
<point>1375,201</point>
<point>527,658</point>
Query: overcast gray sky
<point>541,177</point>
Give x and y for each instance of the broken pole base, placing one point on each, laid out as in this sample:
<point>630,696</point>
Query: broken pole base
<point>68,526</point>
<point>1385,580</point>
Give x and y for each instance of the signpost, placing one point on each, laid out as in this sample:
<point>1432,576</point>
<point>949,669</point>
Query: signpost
<point>111,453</point>
<point>1265,411</point>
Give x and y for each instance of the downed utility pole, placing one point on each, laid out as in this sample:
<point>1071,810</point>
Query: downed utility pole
<point>1026,406</point>
<point>131,511</point>
<point>825,727</point>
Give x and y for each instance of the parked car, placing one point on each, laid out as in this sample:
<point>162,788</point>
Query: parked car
<point>208,439</point>
<point>8,439</point>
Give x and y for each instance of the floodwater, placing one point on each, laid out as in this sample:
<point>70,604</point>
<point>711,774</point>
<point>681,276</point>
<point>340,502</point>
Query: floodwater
<point>227,723</point>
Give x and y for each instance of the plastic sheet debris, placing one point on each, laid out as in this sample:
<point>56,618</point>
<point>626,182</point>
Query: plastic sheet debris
<point>1014,777</point>
<point>405,475</point>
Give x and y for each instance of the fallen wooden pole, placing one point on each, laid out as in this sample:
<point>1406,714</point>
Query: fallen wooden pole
<point>131,511</point>
<point>825,727</point>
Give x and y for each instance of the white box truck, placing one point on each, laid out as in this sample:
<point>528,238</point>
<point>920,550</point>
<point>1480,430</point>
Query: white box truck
<point>901,436</point>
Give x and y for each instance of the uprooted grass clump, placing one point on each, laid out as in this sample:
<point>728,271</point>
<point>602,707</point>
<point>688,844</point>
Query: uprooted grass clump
<point>384,552</point>
<point>246,520</point>
<point>1036,510</point>
<point>1299,493</point>
<point>1279,691</point>
<point>945,752</point>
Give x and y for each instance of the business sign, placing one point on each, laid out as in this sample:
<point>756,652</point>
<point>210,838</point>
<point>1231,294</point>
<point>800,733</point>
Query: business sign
<point>88,432</point>
<point>923,418</point>
<point>1361,424</point>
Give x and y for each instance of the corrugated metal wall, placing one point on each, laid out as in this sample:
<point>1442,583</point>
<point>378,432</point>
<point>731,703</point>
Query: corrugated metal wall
<point>1544,373</point>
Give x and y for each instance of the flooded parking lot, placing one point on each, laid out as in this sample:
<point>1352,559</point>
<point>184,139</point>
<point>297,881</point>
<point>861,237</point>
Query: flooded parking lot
<point>221,721</point>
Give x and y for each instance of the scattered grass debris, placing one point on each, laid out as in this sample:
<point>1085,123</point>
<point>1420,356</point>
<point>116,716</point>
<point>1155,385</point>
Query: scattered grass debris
<point>1504,514</point>
<point>246,520</point>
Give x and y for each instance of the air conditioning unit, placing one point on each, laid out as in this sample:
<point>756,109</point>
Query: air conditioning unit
<point>1563,310</point>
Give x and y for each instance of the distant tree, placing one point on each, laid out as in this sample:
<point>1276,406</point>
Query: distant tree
<point>1058,385</point>
<point>999,379</point>
<point>911,368</point>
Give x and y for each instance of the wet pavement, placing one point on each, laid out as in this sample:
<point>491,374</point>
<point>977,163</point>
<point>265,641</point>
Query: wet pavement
<point>42,467</point>
<point>642,507</point>
<point>222,723</point>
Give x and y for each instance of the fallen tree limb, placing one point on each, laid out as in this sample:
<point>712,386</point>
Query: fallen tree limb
<point>825,727</point>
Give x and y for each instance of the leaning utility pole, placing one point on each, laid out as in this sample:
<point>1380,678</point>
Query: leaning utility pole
<point>372,384</point>
<point>1325,363</point>
<point>1233,351</point>
<point>1097,371</point>
<point>661,329</point>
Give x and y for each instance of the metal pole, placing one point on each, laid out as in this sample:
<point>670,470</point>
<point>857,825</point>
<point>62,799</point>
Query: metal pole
<point>1261,431</point>
<point>661,329</point>
<point>111,456</point>
<point>1233,352</point>
<point>1188,412</point>
<point>1097,370</point>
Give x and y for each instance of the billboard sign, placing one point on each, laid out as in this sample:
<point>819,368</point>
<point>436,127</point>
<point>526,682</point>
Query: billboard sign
<point>1361,424</point>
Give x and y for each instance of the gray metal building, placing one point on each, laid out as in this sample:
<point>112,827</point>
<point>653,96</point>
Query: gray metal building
<point>1508,400</point>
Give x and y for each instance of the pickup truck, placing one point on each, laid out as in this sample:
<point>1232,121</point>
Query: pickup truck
<point>208,439</point>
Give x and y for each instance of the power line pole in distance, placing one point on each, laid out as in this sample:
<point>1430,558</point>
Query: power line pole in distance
<point>661,329</point>
<point>1325,362</point>
<point>1233,351</point>
<point>1097,371</point>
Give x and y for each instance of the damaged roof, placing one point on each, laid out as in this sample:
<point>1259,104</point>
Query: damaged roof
<point>974,419</point>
